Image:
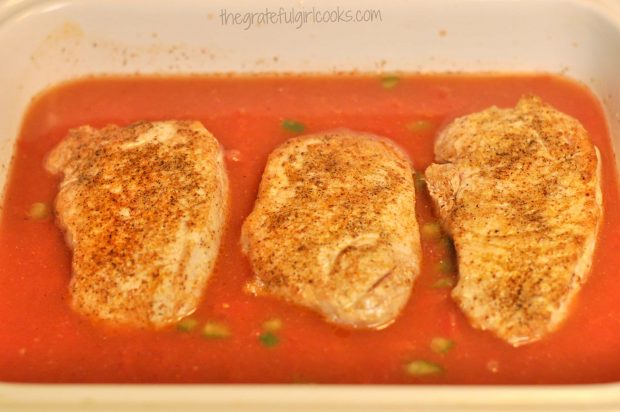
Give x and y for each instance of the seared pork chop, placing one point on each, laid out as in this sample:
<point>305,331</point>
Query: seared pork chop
<point>334,228</point>
<point>143,208</point>
<point>519,191</point>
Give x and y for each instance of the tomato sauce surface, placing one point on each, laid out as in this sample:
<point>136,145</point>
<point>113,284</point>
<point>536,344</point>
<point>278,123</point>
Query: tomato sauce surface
<point>43,340</point>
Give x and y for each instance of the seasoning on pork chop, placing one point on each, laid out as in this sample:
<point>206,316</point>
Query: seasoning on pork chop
<point>519,192</point>
<point>334,228</point>
<point>143,208</point>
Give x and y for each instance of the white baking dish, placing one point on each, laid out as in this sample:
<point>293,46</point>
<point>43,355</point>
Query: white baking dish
<point>47,41</point>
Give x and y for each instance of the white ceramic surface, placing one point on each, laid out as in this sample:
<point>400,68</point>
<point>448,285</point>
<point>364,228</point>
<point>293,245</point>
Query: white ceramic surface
<point>44,42</point>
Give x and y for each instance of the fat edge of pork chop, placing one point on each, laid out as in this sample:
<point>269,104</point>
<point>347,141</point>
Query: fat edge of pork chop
<point>520,195</point>
<point>143,208</point>
<point>334,228</point>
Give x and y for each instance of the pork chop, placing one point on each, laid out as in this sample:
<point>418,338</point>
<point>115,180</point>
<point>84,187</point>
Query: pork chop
<point>143,208</point>
<point>519,192</point>
<point>334,228</point>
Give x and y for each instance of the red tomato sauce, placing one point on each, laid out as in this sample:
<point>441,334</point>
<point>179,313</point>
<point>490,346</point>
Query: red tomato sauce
<point>43,340</point>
